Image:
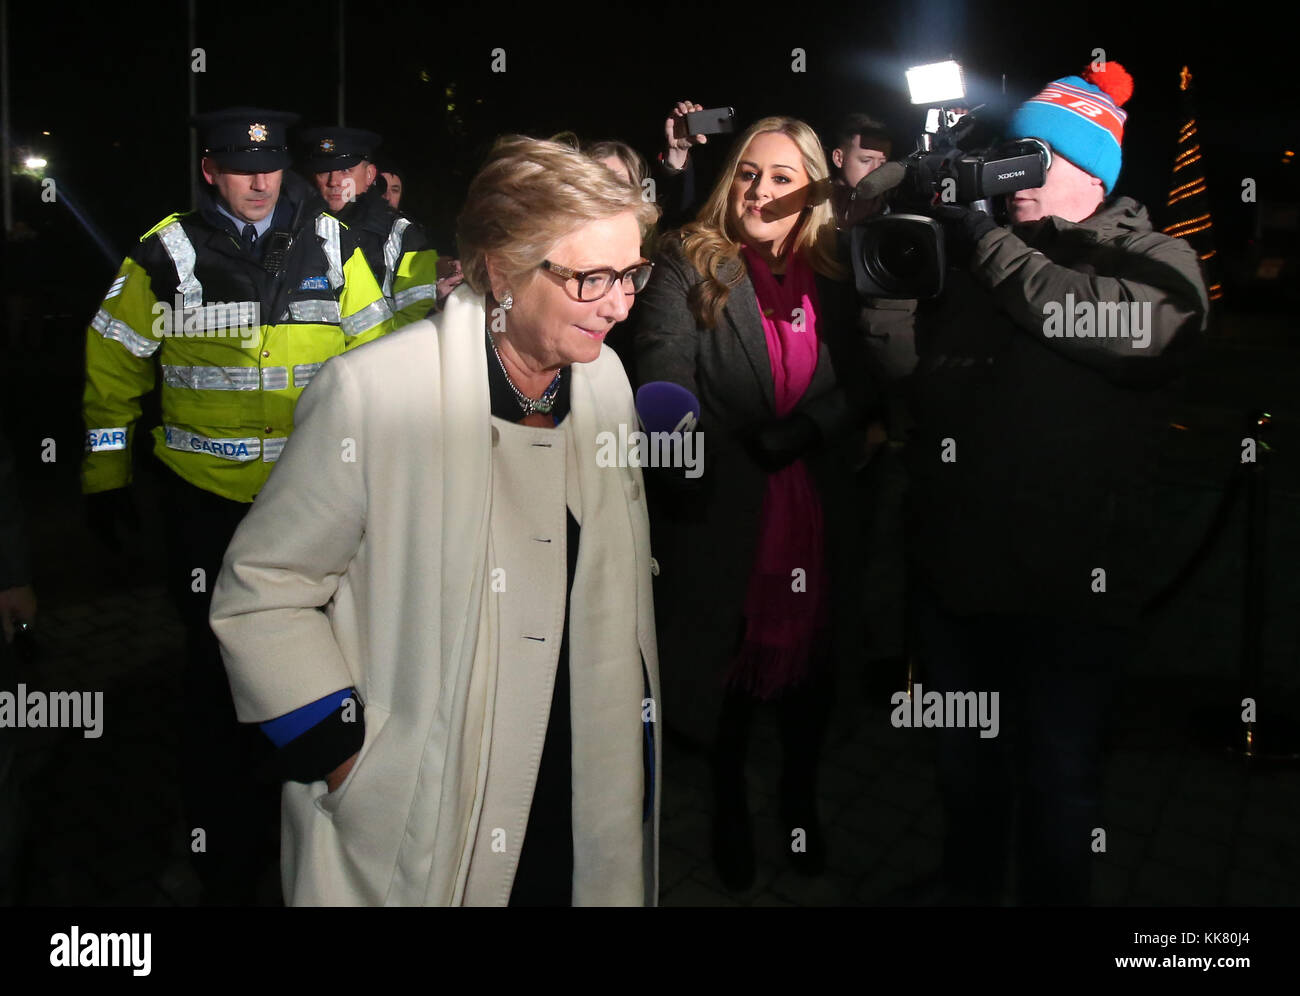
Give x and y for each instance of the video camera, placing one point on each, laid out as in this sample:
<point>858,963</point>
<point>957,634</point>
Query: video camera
<point>901,255</point>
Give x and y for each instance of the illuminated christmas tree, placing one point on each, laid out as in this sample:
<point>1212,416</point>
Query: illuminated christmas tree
<point>1189,201</point>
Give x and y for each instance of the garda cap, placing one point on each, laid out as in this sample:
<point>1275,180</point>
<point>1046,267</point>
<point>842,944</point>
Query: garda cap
<point>251,139</point>
<point>338,148</point>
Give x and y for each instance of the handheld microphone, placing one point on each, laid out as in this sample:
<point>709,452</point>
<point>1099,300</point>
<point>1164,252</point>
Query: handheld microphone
<point>664,406</point>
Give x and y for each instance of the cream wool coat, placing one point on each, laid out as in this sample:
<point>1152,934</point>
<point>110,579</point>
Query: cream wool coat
<point>368,561</point>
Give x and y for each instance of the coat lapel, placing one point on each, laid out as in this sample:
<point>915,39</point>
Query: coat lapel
<point>606,685</point>
<point>456,748</point>
<point>741,312</point>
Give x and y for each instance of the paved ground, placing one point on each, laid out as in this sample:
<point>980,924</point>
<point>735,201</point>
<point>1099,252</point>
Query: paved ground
<point>1187,822</point>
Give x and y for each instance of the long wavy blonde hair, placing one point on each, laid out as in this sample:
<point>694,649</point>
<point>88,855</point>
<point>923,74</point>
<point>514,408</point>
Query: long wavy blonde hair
<point>712,241</point>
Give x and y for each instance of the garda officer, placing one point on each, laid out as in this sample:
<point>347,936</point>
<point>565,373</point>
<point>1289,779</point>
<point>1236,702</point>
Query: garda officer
<point>238,304</point>
<point>398,249</point>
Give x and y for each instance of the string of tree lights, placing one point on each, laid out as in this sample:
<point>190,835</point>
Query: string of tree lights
<point>1189,195</point>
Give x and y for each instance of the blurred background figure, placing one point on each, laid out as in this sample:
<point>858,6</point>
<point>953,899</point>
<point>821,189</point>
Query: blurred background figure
<point>448,270</point>
<point>621,158</point>
<point>862,146</point>
<point>392,175</point>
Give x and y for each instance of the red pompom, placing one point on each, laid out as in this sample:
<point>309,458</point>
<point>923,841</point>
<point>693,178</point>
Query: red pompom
<point>1113,80</point>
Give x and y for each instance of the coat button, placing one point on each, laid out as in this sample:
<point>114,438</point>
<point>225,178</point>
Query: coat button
<point>269,429</point>
<point>654,567</point>
<point>266,352</point>
<point>496,435</point>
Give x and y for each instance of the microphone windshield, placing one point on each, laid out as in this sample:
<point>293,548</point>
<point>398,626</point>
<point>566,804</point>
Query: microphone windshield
<point>878,181</point>
<point>666,407</point>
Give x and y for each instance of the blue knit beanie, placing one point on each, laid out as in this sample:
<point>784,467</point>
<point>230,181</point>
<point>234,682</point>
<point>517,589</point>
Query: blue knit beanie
<point>1080,117</point>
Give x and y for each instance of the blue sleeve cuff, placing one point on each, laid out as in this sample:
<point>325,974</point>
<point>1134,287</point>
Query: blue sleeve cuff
<point>291,725</point>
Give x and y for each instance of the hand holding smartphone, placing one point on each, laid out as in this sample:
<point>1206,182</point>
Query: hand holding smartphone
<point>711,121</point>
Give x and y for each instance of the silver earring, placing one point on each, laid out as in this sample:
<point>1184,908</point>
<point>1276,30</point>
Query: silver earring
<point>507,302</point>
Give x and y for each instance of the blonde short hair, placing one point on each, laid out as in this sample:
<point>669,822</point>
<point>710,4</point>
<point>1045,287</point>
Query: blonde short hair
<point>528,196</point>
<point>637,168</point>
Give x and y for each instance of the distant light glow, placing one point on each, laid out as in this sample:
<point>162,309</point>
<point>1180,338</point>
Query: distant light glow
<point>35,162</point>
<point>936,83</point>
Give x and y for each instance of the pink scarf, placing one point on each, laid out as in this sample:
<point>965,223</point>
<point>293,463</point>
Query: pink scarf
<point>786,604</point>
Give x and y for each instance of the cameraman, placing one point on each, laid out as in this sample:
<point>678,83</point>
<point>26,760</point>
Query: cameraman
<point>1031,470</point>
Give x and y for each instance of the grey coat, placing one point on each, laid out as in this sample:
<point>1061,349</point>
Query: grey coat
<point>705,541</point>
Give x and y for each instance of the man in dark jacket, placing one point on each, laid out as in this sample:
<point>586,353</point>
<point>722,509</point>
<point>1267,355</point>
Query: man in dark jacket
<point>1037,391</point>
<point>862,146</point>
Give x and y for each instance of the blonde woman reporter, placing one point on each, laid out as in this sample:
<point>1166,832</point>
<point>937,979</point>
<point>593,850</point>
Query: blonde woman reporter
<point>439,554</point>
<point>759,589</point>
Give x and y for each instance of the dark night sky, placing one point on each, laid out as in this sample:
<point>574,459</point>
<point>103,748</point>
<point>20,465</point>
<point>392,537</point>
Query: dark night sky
<point>109,82</point>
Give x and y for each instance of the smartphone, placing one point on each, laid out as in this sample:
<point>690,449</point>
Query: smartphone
<point>714,121</point>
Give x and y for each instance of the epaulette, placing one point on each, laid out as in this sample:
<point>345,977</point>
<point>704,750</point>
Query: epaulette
<point>163,224</point>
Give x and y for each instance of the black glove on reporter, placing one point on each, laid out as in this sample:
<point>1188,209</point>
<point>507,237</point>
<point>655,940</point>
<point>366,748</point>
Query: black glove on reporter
<point>963,228</point>
<point>783,441</point>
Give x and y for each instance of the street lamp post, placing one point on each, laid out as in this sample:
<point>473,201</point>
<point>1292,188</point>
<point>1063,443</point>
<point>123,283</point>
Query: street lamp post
<point>4,117</point>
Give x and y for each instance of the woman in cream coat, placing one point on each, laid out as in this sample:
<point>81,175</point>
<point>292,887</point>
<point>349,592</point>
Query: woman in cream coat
<point>413,544</point>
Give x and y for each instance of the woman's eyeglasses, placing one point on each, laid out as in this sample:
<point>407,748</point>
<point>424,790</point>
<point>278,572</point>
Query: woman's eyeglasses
<point>595,284</point>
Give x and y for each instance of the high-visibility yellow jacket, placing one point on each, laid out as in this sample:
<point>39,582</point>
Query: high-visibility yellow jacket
<point>235,343</point>
<point>400,254</point>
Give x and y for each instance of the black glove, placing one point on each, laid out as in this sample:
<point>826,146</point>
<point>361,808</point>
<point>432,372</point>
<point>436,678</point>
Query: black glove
<point>778,444</point>
<point>110,515</point>
<point>963,228</point>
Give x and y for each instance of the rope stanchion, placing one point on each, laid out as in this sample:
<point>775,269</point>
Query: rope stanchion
<point>1276,741</point>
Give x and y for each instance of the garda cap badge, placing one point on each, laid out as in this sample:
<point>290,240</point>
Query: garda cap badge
<point>257,132</point>
<point>327,145</point>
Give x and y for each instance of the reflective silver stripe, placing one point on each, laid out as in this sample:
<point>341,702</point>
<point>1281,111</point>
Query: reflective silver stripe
<point>112,328</point>
<point>116,289</point>
<point>304,372</point>
<point>410,295</point>
<point>272,448</point>
<point>212,378</point>
<point>103,440</point>
<point>367,318</point>
<point>236,450</point>
<point>393,252</point>
<point>275,378</point>
<point>214,317</point>
<point>230,315</point>
<point>314,311</point>
<point>181,250</point>
<point>328,229</point>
